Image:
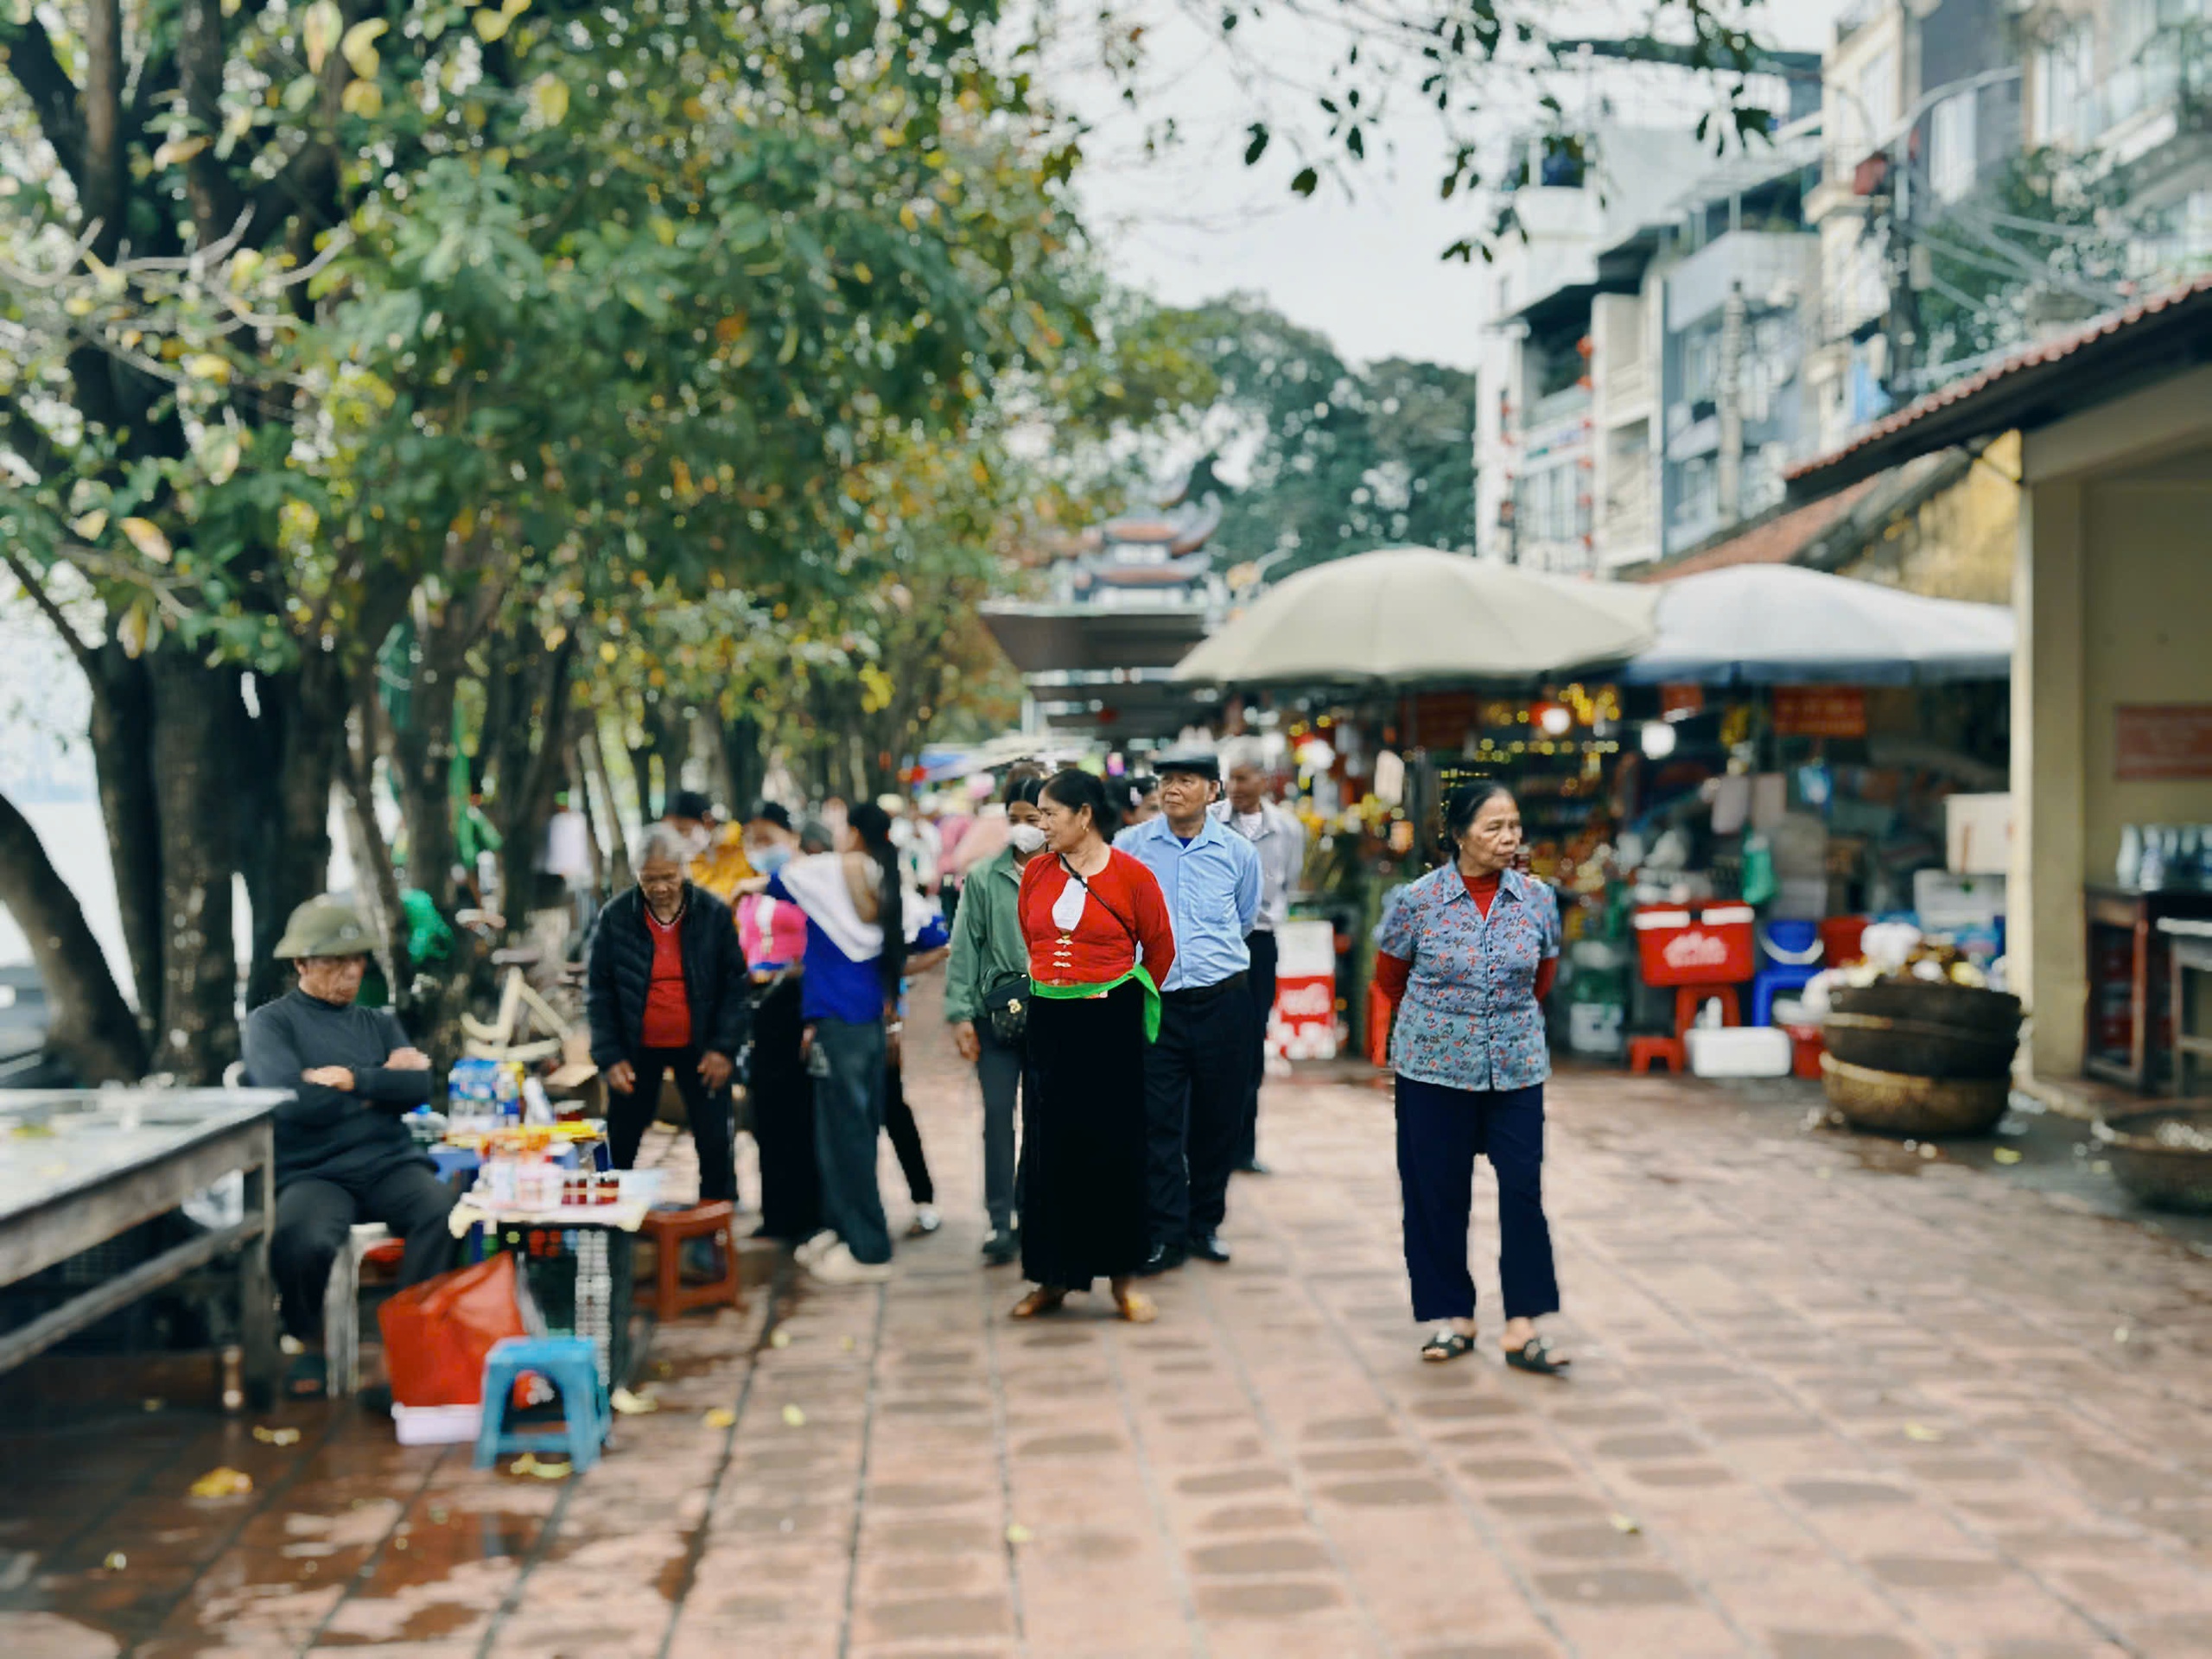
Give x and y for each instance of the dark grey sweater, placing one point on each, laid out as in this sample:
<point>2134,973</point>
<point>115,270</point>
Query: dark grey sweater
<point>331,1134</point>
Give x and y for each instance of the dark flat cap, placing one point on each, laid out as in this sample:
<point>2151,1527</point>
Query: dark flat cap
<point>1200,763</point>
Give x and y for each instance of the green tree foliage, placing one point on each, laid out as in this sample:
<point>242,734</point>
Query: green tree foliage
<point>1336,459</point>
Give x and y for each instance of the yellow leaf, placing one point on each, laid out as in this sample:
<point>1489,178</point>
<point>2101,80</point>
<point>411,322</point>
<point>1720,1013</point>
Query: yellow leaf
<point>1922,1433</point>
<point>147,537</point>
<point>1018,1533</point>
<point>607,651</point>
<point>223,462</point>
<point>514,9</point>
<point>490,25</point>
<point>1627,1523</point>
<point>794,1417</point>
<point>2005,1156</point>
<point>720,1417</point>
<point>180,151</point>
<point>116,1560</point>
<point>91,524</point>
<point>223,1482</point>
<point>363,97</point>
<point>77,305</point>
<point>549,99</point>
<point>780,1339</point>
<point>205,365</point>
<point>664,230</point>
<point>319,31</point>
<point>630,1405</point>
<point>860,271</point>
<point>358,47</point>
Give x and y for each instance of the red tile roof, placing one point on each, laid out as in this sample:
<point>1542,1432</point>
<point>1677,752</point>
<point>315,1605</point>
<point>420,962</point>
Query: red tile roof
<point>2046,352</point>
<point>1776,541</point>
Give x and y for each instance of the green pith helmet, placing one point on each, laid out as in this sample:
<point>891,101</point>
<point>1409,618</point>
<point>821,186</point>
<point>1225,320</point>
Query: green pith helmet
<point>324,927</point>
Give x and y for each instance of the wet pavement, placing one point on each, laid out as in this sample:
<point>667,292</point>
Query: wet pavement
<point>1834,1401</point>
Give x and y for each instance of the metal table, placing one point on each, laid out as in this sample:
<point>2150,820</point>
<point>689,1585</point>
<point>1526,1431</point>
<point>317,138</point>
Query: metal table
<point>79,1167</point>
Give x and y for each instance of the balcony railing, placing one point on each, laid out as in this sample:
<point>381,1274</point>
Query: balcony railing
<point>1561,405</point>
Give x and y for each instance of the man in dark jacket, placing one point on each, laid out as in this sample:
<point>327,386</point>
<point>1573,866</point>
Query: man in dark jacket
<point>666,992</point>
<point>342,1154</point>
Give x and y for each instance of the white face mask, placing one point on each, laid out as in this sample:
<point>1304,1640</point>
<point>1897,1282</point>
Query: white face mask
<point>697,841</point>
<point>1025,838</point>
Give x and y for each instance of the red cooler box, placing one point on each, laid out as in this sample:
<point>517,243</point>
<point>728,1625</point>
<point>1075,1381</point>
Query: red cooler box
<point>1682,945</point>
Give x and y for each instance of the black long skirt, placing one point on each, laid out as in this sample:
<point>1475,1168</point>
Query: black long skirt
<point>783,1118</point>
<point>1083,1140</point>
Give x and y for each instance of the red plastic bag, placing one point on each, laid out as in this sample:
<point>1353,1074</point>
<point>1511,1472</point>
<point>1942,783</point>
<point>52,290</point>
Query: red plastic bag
<point>437,1333</point>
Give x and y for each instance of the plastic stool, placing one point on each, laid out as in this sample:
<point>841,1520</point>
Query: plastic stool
<point>1644,1051</point>
<point>571,1366</point>
<point>669,1229</point>
<point>1778,977</point>
<point>1689,999</point>
<point>342,1306</point>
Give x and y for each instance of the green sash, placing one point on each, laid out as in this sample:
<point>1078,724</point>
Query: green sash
<point>1073,992</point>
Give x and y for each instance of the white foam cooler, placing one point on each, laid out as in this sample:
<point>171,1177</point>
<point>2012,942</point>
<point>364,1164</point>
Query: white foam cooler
<point>1738,1052</point>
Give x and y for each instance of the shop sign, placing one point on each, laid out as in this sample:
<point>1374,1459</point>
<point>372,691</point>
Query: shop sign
<point>2164,741</point>
<point>1303,1023</point>
<point>1680,702</point>
<point>1820,711</point>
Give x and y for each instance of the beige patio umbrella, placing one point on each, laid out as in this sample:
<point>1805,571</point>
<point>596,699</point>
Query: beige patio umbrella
<point>1413,615</point>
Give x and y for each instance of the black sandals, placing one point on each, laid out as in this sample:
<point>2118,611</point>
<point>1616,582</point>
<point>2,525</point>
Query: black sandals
<point>1446,1345</point>
<point>1536,1355</point>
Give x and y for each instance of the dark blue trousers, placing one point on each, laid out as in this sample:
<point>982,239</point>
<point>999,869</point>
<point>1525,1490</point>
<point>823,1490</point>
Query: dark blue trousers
<point>1440,1133</point>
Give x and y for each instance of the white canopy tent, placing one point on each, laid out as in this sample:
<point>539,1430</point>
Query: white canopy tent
<point>1783,625</point>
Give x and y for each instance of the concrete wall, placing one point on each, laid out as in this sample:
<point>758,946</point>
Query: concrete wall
<point>1962,544</point>
<point>2113,590</point>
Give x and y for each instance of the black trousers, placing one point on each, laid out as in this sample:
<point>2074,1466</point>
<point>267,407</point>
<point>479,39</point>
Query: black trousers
<point>1000,1069</point>
<point>1262,944</point>
<point>783,1118</point>
<point>1442,1131</point>
<point>1197,1087</point>
<point>906,1136</point>
<point>714,1124</point>
<point>315,1214</point>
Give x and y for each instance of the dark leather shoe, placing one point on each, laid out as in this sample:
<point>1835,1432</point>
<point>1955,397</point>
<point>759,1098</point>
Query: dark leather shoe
<point>1164,1259</point>
<point>1208,1246</point>
<point>1253,1166</point>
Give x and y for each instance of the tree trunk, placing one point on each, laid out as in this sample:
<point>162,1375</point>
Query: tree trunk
<point>93,1031</point>
<point>618,840</point>
<point>745,759</point>
<point>529,741</point>
<point>194,785</point>
<point>374,879</point>
<point>289,750</point>
<point>423,749</point>
<point>123,756</point>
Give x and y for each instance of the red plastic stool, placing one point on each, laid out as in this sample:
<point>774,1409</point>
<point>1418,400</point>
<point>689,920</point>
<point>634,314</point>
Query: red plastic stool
<point>669,1229</point>
<point>1644,1051</point>
<point>1806,1048</point>
<point>1689,999</point>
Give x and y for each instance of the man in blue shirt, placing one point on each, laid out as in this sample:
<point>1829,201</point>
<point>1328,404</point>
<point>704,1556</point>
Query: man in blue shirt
<point>1197,1075</point>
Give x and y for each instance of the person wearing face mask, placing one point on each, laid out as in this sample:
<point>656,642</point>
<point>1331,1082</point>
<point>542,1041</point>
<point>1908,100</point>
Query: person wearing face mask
<point>772,934</point>
<point>986,998</point>
<point>718,860</point>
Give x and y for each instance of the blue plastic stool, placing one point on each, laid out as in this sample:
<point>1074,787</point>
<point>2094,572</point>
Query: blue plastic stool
<point>570,1365</point>
<point>1792,950</point>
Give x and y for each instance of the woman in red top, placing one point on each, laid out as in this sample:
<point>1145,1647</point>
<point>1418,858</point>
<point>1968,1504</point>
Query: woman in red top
<point>1100,943</point>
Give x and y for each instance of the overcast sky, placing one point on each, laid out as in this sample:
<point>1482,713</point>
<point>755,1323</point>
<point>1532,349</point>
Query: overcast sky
<point>1189,221</point>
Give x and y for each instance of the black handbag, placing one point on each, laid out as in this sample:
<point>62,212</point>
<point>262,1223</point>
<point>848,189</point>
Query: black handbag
<point>1006,1004</point>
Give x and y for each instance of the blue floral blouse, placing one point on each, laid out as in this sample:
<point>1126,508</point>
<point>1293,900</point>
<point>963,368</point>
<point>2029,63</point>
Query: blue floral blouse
<point>1470,1019</point>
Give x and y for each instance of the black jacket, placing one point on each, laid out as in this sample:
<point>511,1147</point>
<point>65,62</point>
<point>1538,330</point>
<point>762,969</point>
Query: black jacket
<point>349,1138</point>
<point>621,967</point>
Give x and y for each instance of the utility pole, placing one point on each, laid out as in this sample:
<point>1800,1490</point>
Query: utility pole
<point>1729,473</point>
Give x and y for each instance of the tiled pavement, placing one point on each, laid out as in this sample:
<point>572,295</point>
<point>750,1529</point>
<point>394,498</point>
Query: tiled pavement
<point>1824,1410</point>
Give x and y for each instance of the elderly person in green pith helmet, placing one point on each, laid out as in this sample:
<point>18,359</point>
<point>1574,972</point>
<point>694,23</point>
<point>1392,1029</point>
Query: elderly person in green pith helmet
<point>343,1155</point>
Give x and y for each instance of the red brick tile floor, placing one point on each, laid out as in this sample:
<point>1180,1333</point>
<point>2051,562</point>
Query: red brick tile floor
<point>1832,1402</point>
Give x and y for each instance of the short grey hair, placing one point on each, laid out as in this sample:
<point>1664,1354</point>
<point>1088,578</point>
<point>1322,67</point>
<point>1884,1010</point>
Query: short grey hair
<point>814,836</point>
<point>661,841</point>
<point>1244,752</point>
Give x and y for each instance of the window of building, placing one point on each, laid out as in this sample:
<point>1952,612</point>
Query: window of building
<point>1951,139</point>
<point>2065,88</point>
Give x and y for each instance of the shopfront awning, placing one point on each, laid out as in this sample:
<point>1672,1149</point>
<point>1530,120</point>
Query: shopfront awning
<point>1125,713</point>
<point>1783,625</point>
<point>1094,638</point>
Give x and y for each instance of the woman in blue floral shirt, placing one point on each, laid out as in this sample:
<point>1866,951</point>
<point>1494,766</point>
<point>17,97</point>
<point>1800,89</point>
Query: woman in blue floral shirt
<point>1466,958</point>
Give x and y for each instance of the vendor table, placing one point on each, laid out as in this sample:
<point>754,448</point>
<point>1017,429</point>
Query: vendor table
<point>593,1294</point>
<point>2138,913</point>
<point>2189,946</point>
<point>78,1168</point>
